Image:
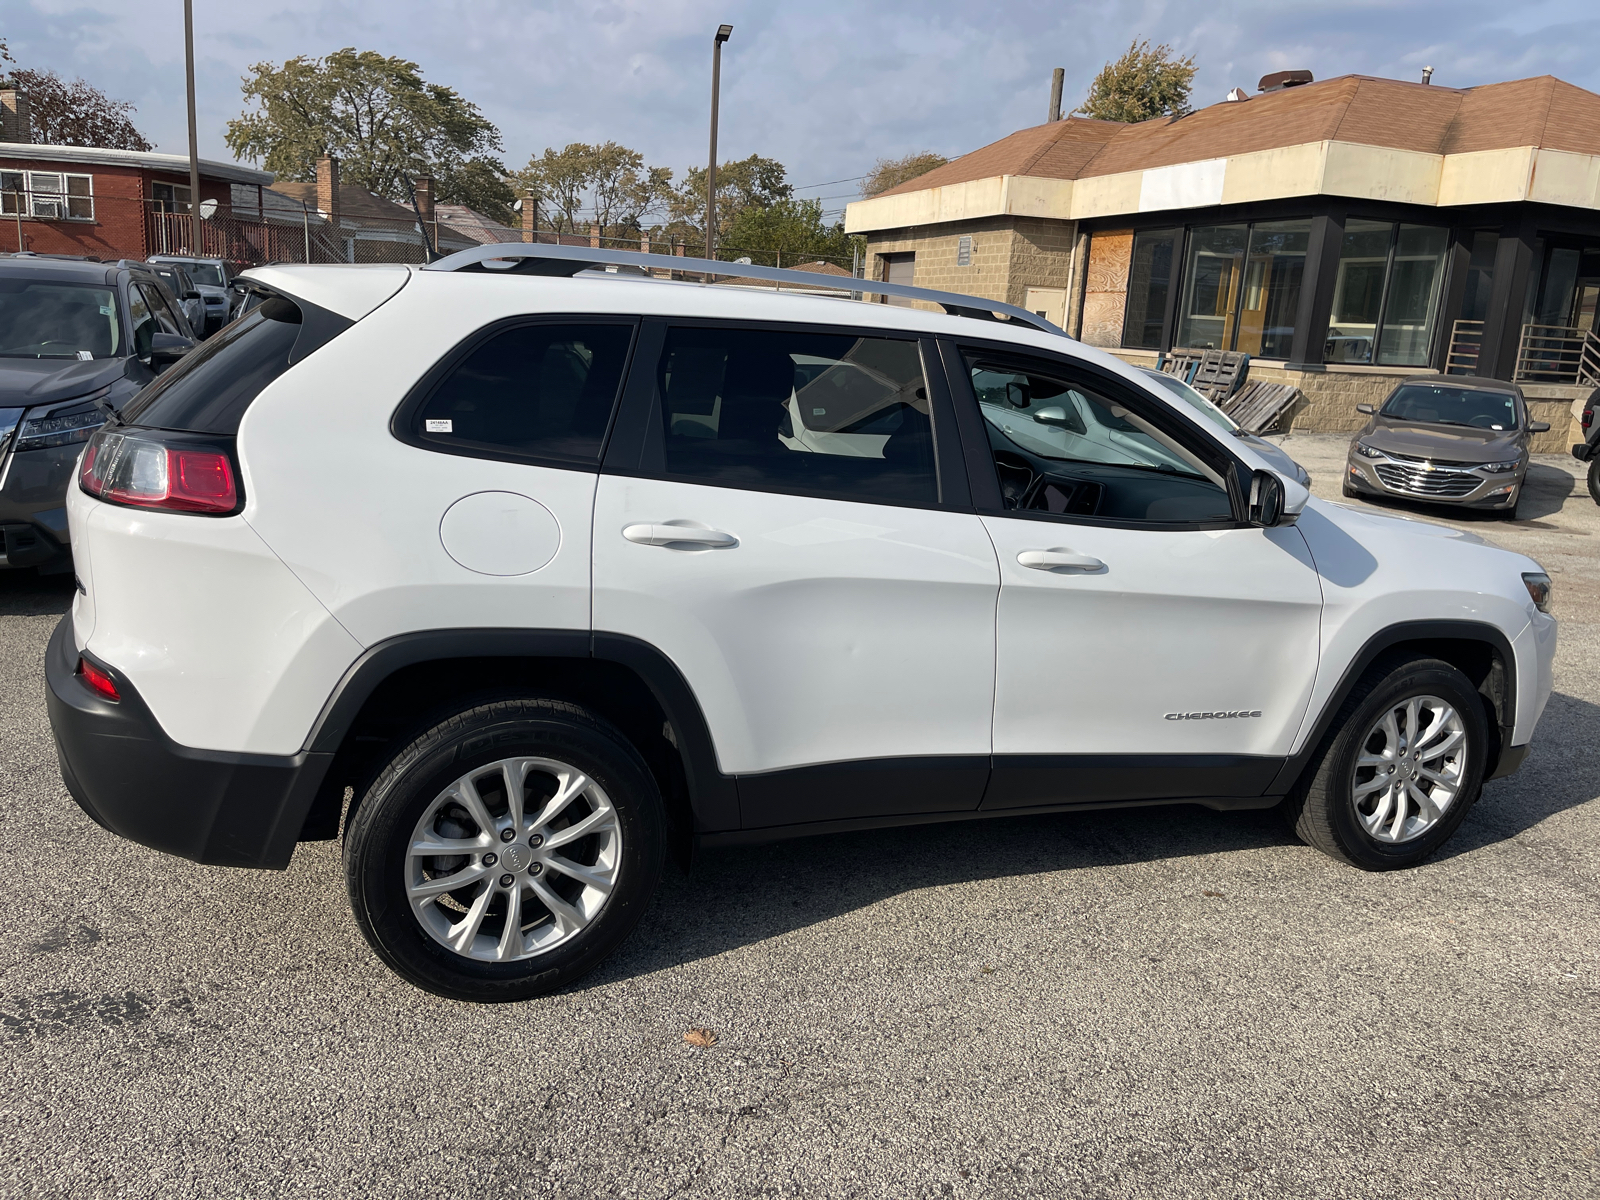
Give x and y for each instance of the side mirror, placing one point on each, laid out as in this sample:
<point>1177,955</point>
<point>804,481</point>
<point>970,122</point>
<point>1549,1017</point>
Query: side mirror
<point>1538,426</point>
<point>1053,416</point>
<point>168,348</point>
<point>1275,500</point>
<point>1016,395</point>
<point>1366,408</point>
<point>191,294</point>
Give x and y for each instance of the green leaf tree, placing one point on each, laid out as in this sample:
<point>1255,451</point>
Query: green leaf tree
<point>889,173</point>
<point>377,114</point>
<point>745,183</point>
<point>77,113</point>
<point>609,181</point>
<point>1142,84</point>
<point>785,232</point>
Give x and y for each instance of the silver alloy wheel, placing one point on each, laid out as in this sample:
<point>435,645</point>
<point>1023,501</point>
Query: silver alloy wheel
<point>513,859</point>
<point>1410,768</point>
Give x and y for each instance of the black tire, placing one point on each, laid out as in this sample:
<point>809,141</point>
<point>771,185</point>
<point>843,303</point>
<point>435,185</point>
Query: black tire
<point>1323,811</point>
<point>1349,492</point>
<point>1594,479</point>
<point>376,844</point>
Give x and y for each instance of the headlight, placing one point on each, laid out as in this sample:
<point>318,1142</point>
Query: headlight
<point>1538,585</point>
<point>63,426</point>
<point>1499,468</point>
<point>1367,451</point>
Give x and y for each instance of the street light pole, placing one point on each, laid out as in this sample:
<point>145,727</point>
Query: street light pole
<point>724,32</point>
<point>194,137</point>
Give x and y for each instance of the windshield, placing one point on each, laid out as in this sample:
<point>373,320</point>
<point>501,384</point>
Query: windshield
<point>40,319</point>
<point>1189,396</point>
<point>1431,404</point>
<point>207,273</point>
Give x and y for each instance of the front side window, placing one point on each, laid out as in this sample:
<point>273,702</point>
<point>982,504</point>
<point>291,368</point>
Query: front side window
<point>1386,295</point>
<point>1474,408</point>
<point>143,322</point>
<point>58,320</point>
<point>1066,448</point>
<point>157,304</point>
<point>541,392</point>
<point>815,413</point>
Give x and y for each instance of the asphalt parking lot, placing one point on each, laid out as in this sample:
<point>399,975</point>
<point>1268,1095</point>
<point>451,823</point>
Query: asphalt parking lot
<point>1164,1002</point>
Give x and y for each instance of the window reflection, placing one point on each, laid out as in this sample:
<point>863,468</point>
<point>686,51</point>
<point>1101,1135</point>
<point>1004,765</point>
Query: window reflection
<point>1243,287</point>
<point>1387,294</point>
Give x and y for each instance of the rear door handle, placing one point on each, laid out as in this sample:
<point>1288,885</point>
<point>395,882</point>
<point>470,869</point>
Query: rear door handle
<point>1059,558</point>
<point>670,533</point>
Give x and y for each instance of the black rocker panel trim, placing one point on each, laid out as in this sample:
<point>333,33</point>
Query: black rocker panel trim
<point>1417,631</point>
<point>1030,780</point>
<point>871,788</point>
<point>778,833</point>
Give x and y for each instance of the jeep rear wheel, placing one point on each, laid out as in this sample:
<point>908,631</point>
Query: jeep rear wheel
<point>1394,778</point>
<point>505,852</point>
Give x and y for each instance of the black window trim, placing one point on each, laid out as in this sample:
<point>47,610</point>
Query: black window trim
<point>639,448</point>
<point>980,457</point>
<point>403,424</point>
<point>1452,239</point>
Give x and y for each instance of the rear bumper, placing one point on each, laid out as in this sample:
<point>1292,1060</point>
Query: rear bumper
<point>235,810</point>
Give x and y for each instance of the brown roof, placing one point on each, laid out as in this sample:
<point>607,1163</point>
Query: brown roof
<point>353,201</point>
<point>471,223</point>
<point>1543,111</point>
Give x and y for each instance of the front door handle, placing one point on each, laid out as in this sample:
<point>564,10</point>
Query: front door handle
<point>671,533</point>
<point>1059,558</point>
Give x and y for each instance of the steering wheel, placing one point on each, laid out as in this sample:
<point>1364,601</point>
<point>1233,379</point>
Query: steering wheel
<point>1481,421</point>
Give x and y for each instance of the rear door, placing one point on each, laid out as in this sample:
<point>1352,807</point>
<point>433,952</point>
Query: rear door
<point>791,528</point>
<point>1149,645</point>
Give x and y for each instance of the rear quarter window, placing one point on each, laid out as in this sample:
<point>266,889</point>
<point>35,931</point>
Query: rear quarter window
<point>213,385</point>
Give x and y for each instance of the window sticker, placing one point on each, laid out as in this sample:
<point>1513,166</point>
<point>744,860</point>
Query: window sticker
<point>106,310</point>
<point>434,426</point>
<point>85,356</point>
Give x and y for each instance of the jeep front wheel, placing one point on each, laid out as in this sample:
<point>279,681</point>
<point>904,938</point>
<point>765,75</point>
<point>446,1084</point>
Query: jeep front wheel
<point>505,852</point>
<point>1396,775</point>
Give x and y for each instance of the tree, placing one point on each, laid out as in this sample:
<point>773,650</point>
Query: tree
<point>753,182</point>
<point>889,173</point>
<point>787,231</point>
<point>77,113</point>
<point>1142,84</point>
<point>481,184</point>
<point>377,114</point>
<point>609,181</point>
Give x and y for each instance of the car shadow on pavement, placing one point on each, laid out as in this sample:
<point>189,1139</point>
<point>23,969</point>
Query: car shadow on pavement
<point>737,897</point>
<point>26,593</point>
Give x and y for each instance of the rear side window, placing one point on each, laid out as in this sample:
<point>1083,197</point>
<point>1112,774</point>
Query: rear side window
<point>812,413</point>
<point>540,393</point>
<point>210,388</point>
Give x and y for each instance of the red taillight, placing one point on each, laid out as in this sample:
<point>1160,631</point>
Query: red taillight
<point>97,681</point>
<point>1588,417</point>
<point>147,469</point>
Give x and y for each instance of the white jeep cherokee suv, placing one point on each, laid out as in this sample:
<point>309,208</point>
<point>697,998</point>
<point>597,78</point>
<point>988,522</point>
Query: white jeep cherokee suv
<point>528,575</point>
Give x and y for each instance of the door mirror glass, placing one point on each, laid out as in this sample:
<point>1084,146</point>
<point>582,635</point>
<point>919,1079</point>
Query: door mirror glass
<point>1266,499</point>
<point>168,348</point>
<point>1016,395</point>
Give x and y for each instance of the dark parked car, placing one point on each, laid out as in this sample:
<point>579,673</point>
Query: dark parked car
<point>190,302</point>
<point>1588,450</point>
<point>213,278</point>
<point>77,340</point>
<point>1445,439</point>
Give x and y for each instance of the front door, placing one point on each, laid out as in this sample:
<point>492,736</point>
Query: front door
<point>785,543</point>
<point>1148,645</point>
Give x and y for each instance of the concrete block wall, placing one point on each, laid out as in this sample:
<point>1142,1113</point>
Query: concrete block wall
<point>1009,255</point>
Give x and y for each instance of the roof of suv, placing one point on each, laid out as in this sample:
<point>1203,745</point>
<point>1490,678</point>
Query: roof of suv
<point>62,270</point>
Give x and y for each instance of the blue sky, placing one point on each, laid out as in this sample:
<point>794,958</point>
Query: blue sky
<point>825,86</point>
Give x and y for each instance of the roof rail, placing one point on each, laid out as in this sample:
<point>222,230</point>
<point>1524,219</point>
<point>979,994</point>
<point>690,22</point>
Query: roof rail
<point>540,259</point>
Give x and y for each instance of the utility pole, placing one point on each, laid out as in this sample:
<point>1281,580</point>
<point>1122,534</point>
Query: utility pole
<point>724,32</point>
<point>194,136</point>
<point>1057,78</point>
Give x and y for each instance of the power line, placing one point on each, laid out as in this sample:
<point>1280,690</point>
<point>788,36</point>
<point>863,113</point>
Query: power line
<point>807,187</point>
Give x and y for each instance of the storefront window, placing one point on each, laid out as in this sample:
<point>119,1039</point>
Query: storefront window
<point>1149,281</point>
<point>1386,298</point>
<point>1273,270</point>
<point>1211,287</point>
<point>1480,275</point>
<point>1413,303</point>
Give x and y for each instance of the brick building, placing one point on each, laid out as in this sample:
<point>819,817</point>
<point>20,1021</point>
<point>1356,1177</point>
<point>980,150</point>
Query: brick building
<point>1346,234</point>
<point>111,203</point>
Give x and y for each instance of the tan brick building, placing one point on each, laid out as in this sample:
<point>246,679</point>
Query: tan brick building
<point>1345,234</point>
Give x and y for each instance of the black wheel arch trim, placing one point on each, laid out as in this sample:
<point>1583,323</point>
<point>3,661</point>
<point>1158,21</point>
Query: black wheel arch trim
<point>1399,634</point>
<point>713,795</point>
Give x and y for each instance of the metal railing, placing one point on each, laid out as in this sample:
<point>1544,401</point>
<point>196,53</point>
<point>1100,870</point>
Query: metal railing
<point>1558,354</point>
<point>1466,345</point>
